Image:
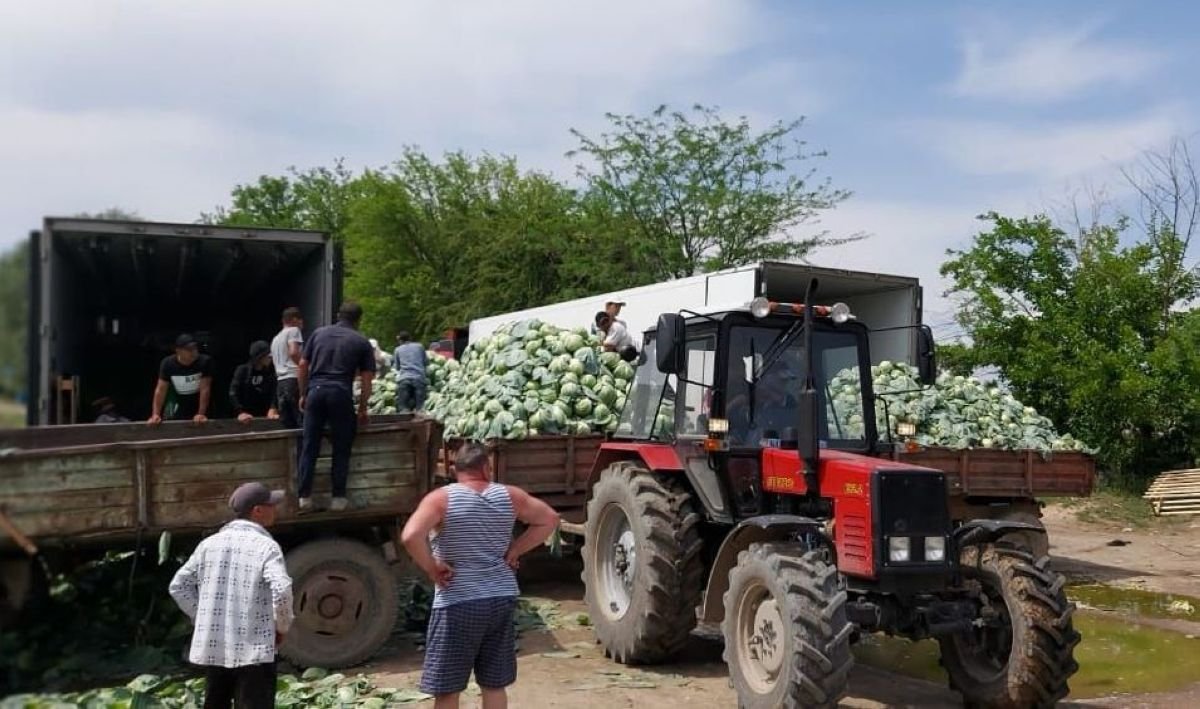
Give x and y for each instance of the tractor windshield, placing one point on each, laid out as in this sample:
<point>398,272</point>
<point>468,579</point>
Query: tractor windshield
<point>766,412</point>
<point>649,411</point>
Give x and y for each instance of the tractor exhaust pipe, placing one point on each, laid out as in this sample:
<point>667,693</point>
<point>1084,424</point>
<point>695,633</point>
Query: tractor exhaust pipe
<point>809,441</point>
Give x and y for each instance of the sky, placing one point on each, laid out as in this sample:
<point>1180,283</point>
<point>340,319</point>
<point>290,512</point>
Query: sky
<point>931,112</point>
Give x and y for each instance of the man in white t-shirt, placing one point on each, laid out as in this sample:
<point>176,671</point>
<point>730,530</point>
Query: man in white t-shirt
<point>616,337</point>
<point>285,354</point>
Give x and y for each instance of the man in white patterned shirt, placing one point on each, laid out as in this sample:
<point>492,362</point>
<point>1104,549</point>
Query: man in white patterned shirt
<point>238,573</point>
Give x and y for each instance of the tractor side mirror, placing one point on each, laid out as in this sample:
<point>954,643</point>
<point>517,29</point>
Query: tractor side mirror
<point>669,348</point>
<point>926,356</point>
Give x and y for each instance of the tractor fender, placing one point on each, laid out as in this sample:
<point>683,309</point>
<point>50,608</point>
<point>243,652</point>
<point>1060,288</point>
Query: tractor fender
<point>763,528</point>
<point>984,531</point>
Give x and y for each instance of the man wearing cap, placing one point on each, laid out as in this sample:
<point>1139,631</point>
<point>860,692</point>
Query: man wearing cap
<point>252,391</point>
<point>184,384</point>
<point>613,308</point>
<point>615,336</point>
<point>332,358</point>
<point>236,589</point>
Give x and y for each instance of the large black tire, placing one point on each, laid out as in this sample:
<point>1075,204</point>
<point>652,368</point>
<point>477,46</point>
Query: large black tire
<point>1036,543</point>
<point>787,638</point>
<point>345,603</point>
<point>1027,660</point>
<point>642,569</point>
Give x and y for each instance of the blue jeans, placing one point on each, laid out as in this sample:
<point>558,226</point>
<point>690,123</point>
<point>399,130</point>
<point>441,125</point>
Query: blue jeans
<point>410,395</point>
<point>333,405</point>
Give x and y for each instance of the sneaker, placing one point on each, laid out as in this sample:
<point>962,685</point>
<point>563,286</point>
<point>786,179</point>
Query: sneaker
<point>339,504</point>
<point>305,505</point>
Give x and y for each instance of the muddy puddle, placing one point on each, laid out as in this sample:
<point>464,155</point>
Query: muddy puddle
<point>1116,654</point>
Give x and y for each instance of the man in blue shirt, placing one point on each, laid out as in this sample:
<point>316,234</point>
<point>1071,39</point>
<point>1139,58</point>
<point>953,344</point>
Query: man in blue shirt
<point>409,362</point>
<point>332,358</point>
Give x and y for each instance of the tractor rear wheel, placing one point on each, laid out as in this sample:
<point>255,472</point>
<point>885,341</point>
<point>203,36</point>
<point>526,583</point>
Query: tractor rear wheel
<point>642,570</point>
<point>787,637</point>
<point>1024,655</point>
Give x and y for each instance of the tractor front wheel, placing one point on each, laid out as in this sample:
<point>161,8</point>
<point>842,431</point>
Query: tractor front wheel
<point>787,638</point>
<point>1023,653</point>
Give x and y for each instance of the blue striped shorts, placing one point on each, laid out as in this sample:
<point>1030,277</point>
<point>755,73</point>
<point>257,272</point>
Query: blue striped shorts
<point>473,635</point>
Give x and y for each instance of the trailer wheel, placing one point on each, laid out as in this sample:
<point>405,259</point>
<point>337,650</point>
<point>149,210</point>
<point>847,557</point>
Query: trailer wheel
<point>642,570</point>
<point>345,601</point>
<point>787,638</point>
<point>1025,656</point>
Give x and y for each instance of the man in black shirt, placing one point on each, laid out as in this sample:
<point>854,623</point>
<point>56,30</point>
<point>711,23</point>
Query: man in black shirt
<point>333,356</point>
<point>252,391</point>
<point>184,384</point>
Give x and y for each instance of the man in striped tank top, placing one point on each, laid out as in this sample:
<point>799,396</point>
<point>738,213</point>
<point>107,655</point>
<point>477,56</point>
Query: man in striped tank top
<point>472,560</point>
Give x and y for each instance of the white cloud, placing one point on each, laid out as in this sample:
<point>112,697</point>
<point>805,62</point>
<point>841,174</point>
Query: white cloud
<point>162,107</point>
<point>1048,66</point>
<point>1051,151</point>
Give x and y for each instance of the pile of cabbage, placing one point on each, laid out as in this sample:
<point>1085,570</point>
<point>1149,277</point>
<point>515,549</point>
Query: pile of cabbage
<point>527,378</point>
<point>956,412</point>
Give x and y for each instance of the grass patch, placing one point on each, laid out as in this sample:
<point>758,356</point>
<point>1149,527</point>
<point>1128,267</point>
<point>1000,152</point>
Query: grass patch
<point>1122,509</point>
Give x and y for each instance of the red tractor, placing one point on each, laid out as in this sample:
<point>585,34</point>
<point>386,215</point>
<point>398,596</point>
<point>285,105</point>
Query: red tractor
<point>735,493</point>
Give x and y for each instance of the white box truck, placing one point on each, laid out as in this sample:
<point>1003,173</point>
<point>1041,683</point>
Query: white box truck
<point>879,300</point>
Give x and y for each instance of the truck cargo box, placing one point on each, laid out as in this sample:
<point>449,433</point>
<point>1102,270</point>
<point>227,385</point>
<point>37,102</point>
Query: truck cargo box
<point>109,298</point>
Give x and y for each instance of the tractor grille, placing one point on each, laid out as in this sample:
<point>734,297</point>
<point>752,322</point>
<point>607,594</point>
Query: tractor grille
<point>912,503</point>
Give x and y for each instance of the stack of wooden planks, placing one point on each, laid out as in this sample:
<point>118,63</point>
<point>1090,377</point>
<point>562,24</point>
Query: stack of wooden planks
<point>1175,492</point>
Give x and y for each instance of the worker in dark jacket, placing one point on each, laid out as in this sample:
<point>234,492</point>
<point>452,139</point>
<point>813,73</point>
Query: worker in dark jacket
<point>333,357</point>
<point>252,391</point>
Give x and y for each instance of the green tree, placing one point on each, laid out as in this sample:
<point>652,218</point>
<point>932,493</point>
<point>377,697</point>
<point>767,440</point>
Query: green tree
<point>14,313</point>
<point>433,244</point>
<point>705,193</point>
<point>1077,325</point>
<point>317,198</point>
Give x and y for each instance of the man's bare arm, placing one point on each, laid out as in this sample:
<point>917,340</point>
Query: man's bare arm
<point>540,518</point>
<point>294,350</point>
<point>415,536</point>
<point>160,398</point>
<point>205,395</point>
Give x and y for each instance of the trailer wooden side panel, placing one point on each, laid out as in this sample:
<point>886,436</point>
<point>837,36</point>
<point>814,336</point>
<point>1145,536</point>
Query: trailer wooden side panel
<point>987,473</point>
<point>108,492</point>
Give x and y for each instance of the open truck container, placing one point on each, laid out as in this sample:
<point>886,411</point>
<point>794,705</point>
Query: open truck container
<point>108,298</point>
<point>69,493</point>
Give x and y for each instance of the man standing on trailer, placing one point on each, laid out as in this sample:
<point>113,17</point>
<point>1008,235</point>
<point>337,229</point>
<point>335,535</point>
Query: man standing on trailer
<point>184,384</point>
<point>237,591</point>
<point>285,353</point>
<point>473,561</point>
<point>409,362</point>
<point>332,358</point>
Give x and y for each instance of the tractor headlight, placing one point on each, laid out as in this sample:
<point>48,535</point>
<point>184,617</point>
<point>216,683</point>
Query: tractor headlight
<point>898,549</point>
<point>935,548</point>
<point>840,313</point>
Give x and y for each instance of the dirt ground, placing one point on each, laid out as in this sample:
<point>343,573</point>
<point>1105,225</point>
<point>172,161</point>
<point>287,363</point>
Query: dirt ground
<point>564,669</point>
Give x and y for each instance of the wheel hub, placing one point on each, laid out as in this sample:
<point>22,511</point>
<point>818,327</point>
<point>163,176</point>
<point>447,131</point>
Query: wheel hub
<point>617,547</point>
<point>761,639</point>
<point>330,602</point>
<point>766,641</point>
